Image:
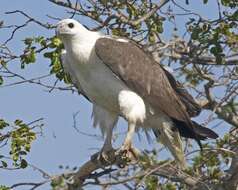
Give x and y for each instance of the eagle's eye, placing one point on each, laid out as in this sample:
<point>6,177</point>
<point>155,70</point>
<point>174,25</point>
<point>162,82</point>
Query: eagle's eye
<point>71,25</point>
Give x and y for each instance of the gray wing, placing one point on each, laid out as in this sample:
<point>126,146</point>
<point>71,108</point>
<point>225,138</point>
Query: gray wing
<point>143,75</point>
<point>146,77</point>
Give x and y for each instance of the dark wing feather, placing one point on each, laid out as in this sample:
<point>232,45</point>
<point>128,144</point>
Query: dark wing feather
<point>191,105</point>
<point>144,76</point>
<point>202,132</point>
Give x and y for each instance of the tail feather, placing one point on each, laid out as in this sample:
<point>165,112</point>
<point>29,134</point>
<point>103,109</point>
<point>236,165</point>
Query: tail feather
<point>172,140</point>
<point>170,136</point>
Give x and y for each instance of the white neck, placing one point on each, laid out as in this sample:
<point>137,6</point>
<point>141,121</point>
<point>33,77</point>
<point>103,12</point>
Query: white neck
<point>80,46</point>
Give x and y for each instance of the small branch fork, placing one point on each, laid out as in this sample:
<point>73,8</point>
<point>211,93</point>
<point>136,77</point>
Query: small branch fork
<point>7,73</point>
<point>30,19</point>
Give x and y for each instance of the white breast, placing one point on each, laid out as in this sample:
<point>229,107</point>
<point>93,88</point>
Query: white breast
<point>98,82</point>
<point>101,85</point>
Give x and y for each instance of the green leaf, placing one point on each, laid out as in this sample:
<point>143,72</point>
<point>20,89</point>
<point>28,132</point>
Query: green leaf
<point>4,164</point>
<point>3,63</point>
<point>28,147</point>
<point>120,32</point>
<point>151,182</point>
<point>28,41</point>
<point>18,122</point>
<point>169,186</point>
<point>1,80</point>
<point>41,40</point>
<point>219,59</point>
<point>15,157</point>
<point>3,124</point>
<point>195,33</point>
<point>31,57</point>
<point>24,163</point>
<point>2,187</point>
<point>216,49</point>
<point>48,54</point>
<point>55,42</point>
<point>152,38</point>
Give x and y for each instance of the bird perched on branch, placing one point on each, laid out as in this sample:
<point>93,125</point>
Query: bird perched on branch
<point>121,80</point>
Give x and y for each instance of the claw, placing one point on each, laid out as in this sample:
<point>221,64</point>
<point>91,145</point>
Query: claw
<point>129,152</point>
<point>104,156</point>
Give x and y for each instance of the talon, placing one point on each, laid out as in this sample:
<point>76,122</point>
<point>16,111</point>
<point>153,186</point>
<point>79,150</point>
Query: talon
<point>105,156</point>
<point>129,152</point>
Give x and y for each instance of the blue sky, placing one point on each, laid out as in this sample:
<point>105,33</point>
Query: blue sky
<point>60,144</point>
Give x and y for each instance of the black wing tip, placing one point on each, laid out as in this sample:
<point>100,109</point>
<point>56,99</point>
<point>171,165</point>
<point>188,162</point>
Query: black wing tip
<point>198,133</point>
<point>205,132</point>
<point>213,135</point>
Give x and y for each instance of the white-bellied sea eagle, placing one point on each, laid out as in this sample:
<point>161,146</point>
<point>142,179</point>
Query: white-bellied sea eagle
<point>120,79</point>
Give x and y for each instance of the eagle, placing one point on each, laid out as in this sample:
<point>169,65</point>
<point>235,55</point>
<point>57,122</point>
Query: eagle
<point>122,80</point>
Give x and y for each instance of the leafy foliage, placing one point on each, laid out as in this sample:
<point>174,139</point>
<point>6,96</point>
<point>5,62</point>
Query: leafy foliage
<point>55,59</point>
<point>4,187</point>
<point>19,137</point>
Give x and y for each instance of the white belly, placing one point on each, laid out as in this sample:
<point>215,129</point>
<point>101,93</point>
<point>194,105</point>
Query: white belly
<point>104,89</point>
<point>100,84</point>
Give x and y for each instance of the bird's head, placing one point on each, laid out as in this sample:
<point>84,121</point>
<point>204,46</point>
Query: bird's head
<point>69,28</point>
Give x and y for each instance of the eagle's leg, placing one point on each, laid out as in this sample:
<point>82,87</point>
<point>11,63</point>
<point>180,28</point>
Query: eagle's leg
<point>106,121</point>
<point>107,146</point>
<point>106,154</point>
<point>128,140</point>
<point>127,147</point>
<point>133,109</point>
